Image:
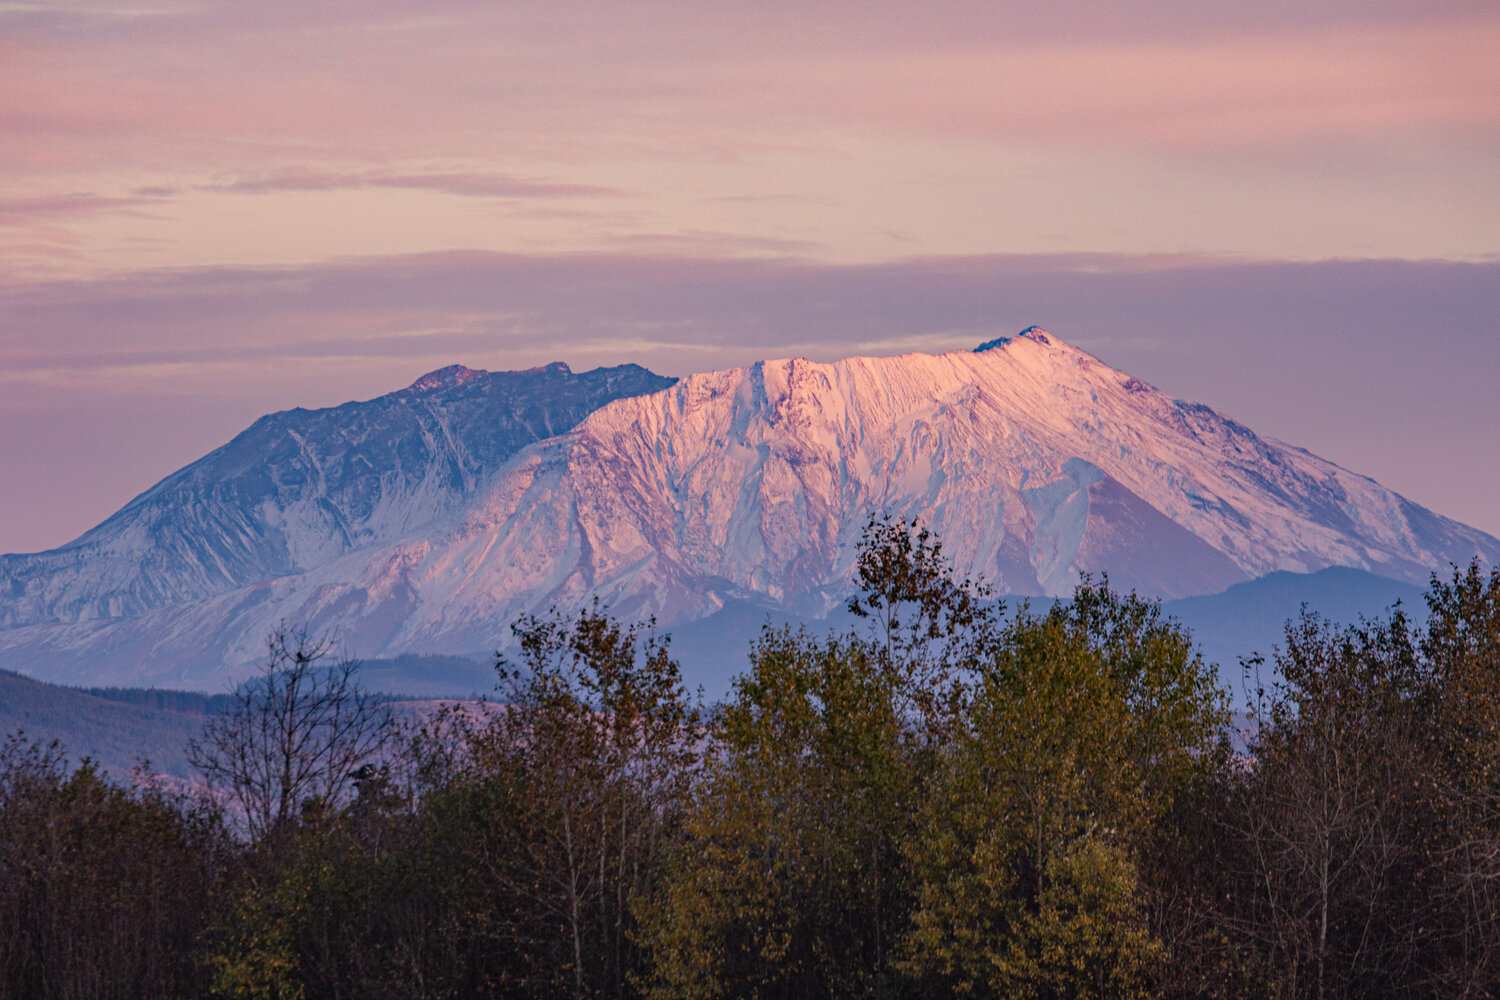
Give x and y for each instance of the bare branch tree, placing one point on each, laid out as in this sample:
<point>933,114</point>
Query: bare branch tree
<point>294,735</point>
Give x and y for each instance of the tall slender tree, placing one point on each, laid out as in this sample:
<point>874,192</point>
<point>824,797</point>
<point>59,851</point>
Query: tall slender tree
<point>594,751</point>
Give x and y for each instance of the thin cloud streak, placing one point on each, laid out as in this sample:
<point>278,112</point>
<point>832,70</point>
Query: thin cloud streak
<point>467,185</point>
<point>26,211</point>
<point>750,306</point>
<point>715,69</point>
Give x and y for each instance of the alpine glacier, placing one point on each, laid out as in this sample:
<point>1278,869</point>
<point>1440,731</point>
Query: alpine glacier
<point>1032,459</point>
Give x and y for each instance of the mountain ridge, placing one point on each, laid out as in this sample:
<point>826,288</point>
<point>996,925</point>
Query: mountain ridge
<point>300,487</point>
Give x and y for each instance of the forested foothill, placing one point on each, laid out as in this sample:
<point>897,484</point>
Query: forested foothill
<point>950,799</point>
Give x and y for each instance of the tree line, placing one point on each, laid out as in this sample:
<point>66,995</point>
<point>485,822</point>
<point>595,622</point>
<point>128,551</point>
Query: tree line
<point>947,801</point>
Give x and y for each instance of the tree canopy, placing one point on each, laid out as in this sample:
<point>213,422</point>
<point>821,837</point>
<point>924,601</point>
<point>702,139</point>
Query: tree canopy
<point>950,799</point>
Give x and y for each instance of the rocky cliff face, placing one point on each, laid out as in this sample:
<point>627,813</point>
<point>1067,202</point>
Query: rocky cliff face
<point>1033,460</point>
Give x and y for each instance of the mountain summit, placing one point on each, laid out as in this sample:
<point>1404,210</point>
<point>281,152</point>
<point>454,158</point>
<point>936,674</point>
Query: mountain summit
<point>1032,459</point>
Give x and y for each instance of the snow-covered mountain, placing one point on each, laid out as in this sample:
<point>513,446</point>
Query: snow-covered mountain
<point>300,488</point>
<point>1032,459</point>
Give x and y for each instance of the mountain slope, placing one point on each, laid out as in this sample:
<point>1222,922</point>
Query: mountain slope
<point>1250,618</point>
<point>114,735</point>
<point>1033,460</point>
<point>302,487</point>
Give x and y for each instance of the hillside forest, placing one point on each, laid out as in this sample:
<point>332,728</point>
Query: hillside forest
<point>951,799</point>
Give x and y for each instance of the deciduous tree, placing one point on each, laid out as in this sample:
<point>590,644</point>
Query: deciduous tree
<point>1087,723</point>
<point>793,880</point>
<point>293,735</point>
<point>592,754</point>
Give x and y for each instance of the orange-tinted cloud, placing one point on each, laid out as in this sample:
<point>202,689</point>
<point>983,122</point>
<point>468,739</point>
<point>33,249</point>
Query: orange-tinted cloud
<point>467,81</point>
<point>853,131</point>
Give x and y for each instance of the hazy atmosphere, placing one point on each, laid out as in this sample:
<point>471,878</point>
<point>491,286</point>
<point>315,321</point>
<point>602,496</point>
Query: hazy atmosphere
<point>213,210</point>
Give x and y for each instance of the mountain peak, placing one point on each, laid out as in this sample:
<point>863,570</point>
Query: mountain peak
<point>446,378</point>
<point>1032,332</point>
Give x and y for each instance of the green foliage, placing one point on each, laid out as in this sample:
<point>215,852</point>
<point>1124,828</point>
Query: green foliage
<point>1083,728</point>
<point>792,879</point>
<point>1087,937</point>
<point>377,901</point>
<point>256,958</point>
<point>789,882</point>
<point>599,739</point>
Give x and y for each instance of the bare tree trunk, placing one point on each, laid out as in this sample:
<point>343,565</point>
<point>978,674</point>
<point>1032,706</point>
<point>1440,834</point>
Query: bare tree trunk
<point>1323,891</point>
<point>573,906</point>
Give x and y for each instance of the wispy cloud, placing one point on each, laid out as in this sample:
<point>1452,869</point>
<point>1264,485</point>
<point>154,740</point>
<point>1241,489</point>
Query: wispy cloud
<point>737,309</point>
<point>708,243</point>
<point>468,185</point>
<point>967,126</point>
<point>27,211</point>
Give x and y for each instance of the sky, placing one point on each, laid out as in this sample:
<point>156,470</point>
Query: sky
<point>209,211</point>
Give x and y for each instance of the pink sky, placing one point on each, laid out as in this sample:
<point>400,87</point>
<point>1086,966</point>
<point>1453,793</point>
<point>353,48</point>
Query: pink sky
<point>157,155</point>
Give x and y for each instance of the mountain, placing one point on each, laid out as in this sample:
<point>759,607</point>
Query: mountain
<point>300,488</point>
<point>119,728</point>
<point>1032,459</point>
<point>1249,618</point>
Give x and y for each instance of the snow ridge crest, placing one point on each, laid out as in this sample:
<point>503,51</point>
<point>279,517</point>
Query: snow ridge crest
<point>447,378</point>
